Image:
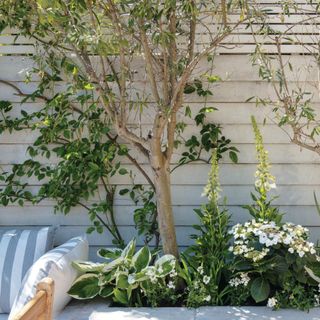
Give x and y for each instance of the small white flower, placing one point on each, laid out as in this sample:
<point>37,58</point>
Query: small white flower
<point>207,298</point>
<point>173,273</point>
<point>206,279</point>
<point>272,185</point>
<point>171,285</point>
<point>272,302</point>
<point>200,269</point>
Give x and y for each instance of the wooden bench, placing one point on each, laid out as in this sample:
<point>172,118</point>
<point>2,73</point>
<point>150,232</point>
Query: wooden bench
<point>40,307</point>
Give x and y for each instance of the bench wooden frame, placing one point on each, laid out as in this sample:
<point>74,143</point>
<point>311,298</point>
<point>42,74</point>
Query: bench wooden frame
<point>40,307</point>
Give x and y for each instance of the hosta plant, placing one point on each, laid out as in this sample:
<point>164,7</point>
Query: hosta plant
<point>128,277</point>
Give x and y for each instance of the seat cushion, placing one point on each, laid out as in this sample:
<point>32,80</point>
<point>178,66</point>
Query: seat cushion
<point>19,249</point>
<point>55,264</point>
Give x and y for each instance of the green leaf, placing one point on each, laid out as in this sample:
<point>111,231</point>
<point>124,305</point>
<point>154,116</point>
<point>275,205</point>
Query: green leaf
<point>87,266</point>
<point>189,89</point>
<point>233,156</point>
<point>120,296</point>
<point>212,79</point>
<point>122,192</point>
<point>85,287</point>
<point>123,171</point>
<point>112,253</point>
<point>106,291</point>
<point>122,281</point>
<point>113,264</point>
<point>129,250</point>
<point>280,264</point>
<point>312,275</point>
<point>167,263</point>
<point>89,86</point>
<point>260,289</point>
<point>141,259</point>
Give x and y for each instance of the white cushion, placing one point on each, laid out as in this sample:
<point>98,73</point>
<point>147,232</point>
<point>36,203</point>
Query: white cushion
<point>55,264</point>
<point>19,249</point>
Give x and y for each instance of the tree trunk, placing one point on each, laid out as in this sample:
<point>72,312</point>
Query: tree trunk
<point>161,175</point>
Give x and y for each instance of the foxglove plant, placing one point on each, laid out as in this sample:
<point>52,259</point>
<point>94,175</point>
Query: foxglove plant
<point>265,181</point>
<point>205,262</point>
<point>274,255</point>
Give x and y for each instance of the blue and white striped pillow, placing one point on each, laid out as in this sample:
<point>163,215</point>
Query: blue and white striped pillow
<point>19,249</point>
<point>55,264</point>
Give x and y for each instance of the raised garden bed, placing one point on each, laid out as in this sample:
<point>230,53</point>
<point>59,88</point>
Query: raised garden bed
<point>98,310</point>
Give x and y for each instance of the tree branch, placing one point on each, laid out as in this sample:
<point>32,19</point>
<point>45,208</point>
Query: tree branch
<point>148,60</point>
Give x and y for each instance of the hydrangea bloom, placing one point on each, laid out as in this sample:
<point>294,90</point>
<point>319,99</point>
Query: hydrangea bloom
<point>268,234</point>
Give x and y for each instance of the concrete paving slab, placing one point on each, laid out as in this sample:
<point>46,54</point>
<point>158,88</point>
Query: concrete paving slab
<point>99,312</point>
<point>254,313</point>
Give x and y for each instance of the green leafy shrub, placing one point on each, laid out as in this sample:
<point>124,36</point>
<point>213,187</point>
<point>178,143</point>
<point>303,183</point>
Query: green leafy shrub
<point>129,278</point>
<point>274,257</point>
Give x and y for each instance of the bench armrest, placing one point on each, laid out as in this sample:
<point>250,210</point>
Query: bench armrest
<point>40,307</point>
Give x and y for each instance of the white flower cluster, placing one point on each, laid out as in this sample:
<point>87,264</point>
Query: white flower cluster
<point>154,273</point>
<point>272,302</point>
<point>242,280</point>
<point>206,279</point>
<point>269,234</point>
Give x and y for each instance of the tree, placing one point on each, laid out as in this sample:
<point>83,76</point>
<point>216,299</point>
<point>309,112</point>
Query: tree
<point>293,78</point>
<point>95,46</point>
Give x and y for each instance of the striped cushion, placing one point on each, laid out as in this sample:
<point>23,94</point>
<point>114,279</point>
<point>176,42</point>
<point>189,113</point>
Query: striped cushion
<point>19,249</point>
<point>55,264</point>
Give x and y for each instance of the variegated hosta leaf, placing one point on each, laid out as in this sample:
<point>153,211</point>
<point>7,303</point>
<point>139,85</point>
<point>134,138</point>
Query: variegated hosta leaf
<point>105,278</point>
<point>112,253</point>
<point>87,266</point>
<point>122,281</point>
<point>120,296</point>
<point>168,258</point>
<point>85,287</point>
<point>143,275</point>
<point>113,264</point>
<point>141,259</point>
<point>165,265</point>
<point>106,292</point>
<point>129,250</point>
